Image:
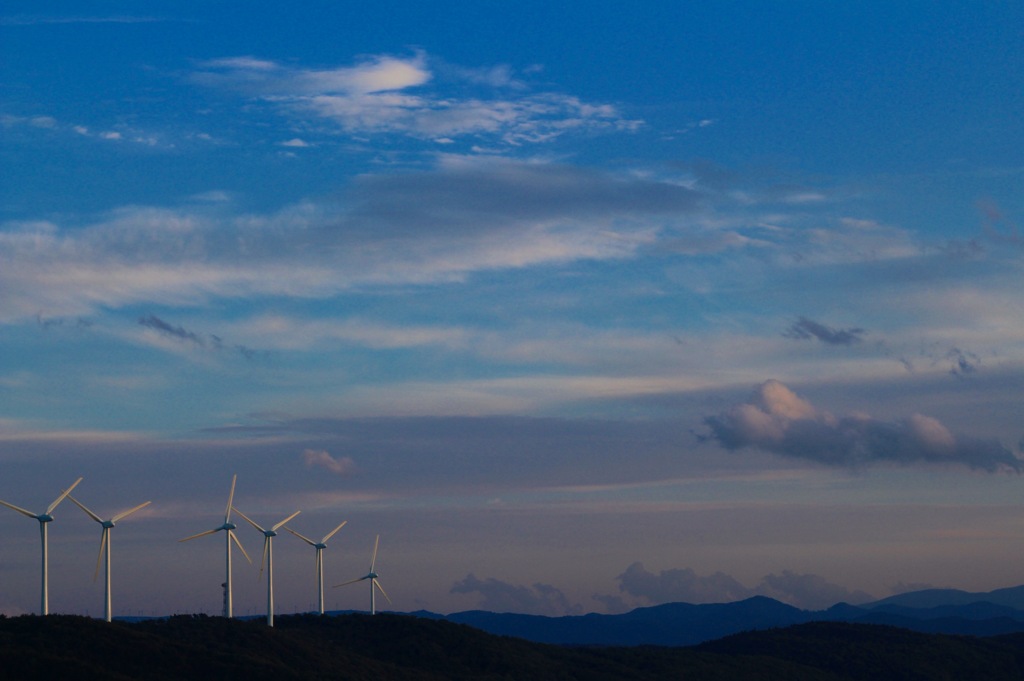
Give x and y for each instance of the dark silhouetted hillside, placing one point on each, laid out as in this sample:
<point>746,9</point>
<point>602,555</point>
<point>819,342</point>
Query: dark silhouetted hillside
<point>403,647</point>
<point>869,652</point>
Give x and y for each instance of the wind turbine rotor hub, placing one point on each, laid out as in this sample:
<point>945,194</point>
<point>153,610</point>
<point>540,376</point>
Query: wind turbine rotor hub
<point>228,526</point>
<point>44,518</point>
<point>269,533</point>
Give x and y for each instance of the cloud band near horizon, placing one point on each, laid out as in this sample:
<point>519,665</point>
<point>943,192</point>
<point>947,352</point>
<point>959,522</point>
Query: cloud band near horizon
<point>775,419</point>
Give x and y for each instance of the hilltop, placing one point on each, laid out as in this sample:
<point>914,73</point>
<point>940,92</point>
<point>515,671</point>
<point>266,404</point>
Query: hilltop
<point>404,647</point>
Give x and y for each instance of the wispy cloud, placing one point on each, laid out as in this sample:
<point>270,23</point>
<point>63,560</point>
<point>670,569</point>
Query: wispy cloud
<point>389,94</point>
<point>775,419</point>
<point>51,125</point>
<point>464,217</point>
<point>964,363</point>
<point>36,20</point>
<point>180,333</point>
<point>154,322</point>
<point>44,122</point>
<point>278,331</point>
<point>805,329</point>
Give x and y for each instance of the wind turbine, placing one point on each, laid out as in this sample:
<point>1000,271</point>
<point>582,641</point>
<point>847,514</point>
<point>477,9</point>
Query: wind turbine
<point>229,530</point>
<point>105,544</point>
<point>44,518</point>
<point>372,576</point>
<point>268,558</point>
<point>319,546</point>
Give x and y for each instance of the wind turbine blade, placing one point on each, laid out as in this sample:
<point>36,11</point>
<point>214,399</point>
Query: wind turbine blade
<point>240,547</point>
<point>373,561</point>
<point>61,497</point>
<point>231,498</point>
<point>274,528</point>
<point>351,581</point>
<point>331,533</point>
<point>266,547</point>
<point>201,534</point>
<point>248,519</point>
<point>19,509</point>
<point>128,513</point>
<point>87,511</point>
<point>99,559</point>
<point>377,584</point>
<point>305,539</point>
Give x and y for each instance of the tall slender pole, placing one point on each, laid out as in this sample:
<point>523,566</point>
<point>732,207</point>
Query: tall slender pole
<point>373,599</point>
<point>270,582</point>
<point>44,606</point>
<point>320,578</point>
<point>227,579</point>
<point>107,611</point>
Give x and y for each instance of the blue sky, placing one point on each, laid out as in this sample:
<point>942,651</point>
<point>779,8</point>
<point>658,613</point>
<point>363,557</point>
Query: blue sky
<point>581,306</point>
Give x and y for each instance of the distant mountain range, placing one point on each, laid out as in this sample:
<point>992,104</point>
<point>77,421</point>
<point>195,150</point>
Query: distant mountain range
<point>939,611</point>
<point>919,635</point>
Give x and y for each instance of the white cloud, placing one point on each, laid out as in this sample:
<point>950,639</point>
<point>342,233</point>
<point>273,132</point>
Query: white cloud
<point>386,94</point>
<point>417,228</point>
<point>380,74</point>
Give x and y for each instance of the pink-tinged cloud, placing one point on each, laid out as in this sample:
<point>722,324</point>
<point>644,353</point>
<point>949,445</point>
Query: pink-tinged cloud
<point>319,458</point>
<point>775,419</point>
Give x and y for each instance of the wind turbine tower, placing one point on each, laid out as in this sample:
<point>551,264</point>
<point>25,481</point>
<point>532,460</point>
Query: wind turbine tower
<point>372,576</point>
<point>44,519</point>
<point>268,558</point>
<point>319,546</point>
<point>229,536</point>
<point>105,548</point>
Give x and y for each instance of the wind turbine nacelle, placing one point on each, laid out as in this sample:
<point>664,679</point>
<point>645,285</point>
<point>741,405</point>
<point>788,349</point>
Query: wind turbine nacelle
<point>320,546</point>
<point>107,524</point>
<point>228,526</point>
<point>44,518</point>
<point>269,533</point>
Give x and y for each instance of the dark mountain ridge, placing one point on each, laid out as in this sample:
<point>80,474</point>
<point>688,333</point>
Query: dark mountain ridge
<point>671,624</point>
<point>681,624</point>
<point>1011,597</point>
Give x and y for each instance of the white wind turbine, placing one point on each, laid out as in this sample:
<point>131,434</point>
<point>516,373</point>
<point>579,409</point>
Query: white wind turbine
<point>268,558</point>
<point>372,576</point>
<point>44,518</point>
<point>105,547</point>
<point>319,546</point>
<point>229,530</point>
